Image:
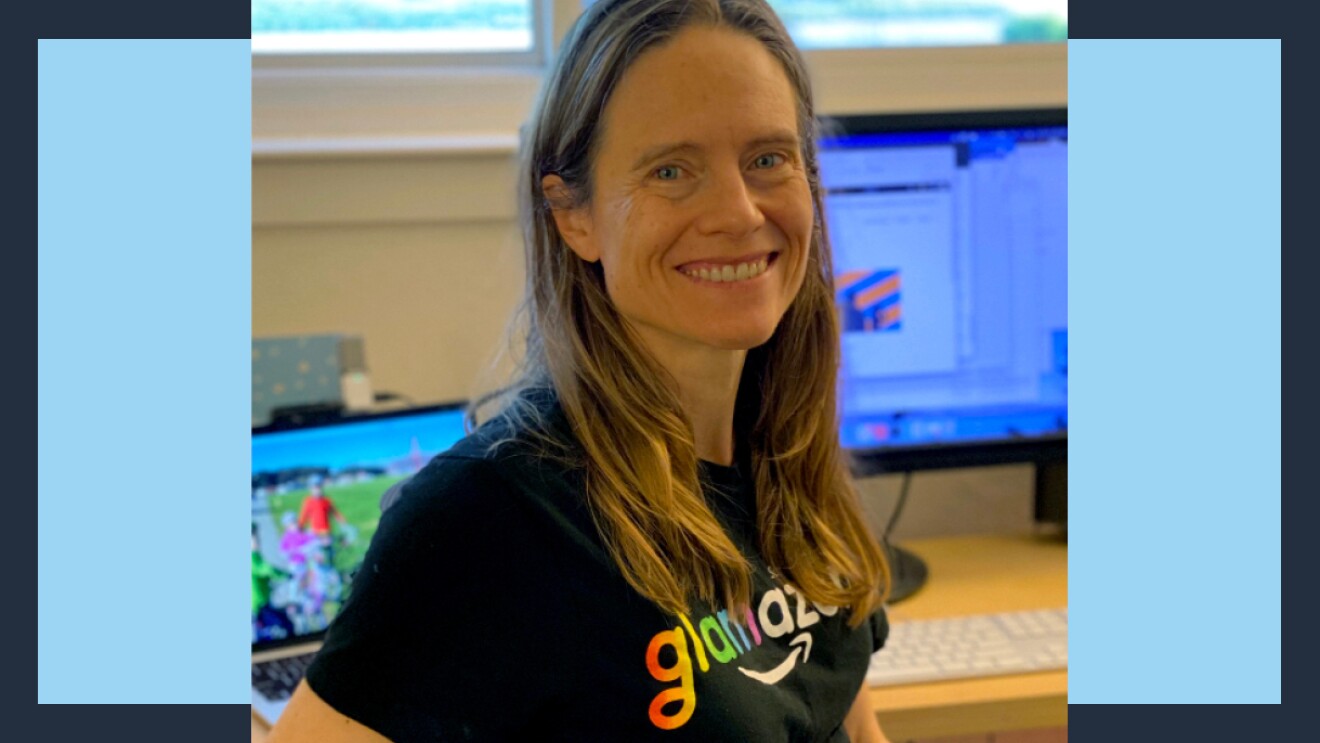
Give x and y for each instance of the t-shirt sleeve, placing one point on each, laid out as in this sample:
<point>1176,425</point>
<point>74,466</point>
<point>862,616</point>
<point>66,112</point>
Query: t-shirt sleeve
<point>392,494</point>
<point>431,643</point>
<point>879,622</point>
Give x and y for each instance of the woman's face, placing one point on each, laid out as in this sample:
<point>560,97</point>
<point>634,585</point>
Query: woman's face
<point>701,215</point>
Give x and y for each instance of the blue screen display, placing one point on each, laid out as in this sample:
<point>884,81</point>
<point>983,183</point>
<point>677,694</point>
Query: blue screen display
<point>950,259</point>
<point>316,504</point>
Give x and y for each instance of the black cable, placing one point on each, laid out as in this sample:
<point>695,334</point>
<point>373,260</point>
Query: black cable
<point>898,507</point>
<point>387,396</point>
<point>907,571</point>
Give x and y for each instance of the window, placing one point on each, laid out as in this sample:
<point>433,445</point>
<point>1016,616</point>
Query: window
<point>366,76</point>
<point>289,27</point>
<point>851,24</point>
<point>466,26</point>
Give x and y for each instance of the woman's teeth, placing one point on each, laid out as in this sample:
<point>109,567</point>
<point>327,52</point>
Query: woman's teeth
<point>741,272</point>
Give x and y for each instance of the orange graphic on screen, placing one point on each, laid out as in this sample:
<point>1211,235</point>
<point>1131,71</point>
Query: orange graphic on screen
<point>869,300</point>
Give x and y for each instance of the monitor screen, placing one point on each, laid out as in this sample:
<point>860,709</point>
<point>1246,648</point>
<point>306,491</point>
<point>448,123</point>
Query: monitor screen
<point>316,494</point>
<point>950,259</point>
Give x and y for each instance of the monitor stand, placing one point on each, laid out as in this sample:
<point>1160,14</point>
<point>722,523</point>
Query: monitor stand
<point>1052,495</point>
<point>907,572</point>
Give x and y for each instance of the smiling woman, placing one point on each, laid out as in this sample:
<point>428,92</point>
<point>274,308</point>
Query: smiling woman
<point>680,189</point>
<point>654,536</point>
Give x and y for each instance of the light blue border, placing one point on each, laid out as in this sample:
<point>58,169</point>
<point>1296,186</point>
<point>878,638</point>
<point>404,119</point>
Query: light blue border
<point>1174,284</point>
<point>144,321</point>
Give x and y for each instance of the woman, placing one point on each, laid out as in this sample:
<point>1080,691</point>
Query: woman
<point>655,538</point>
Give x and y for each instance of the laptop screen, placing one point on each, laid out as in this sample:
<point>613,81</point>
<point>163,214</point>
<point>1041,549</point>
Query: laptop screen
<point>316,493</point>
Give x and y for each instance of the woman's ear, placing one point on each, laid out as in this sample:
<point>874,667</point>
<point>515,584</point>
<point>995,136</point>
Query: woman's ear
<point>574,223</point>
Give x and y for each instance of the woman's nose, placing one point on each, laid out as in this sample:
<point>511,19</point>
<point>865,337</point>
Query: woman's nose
<point>730,206</point>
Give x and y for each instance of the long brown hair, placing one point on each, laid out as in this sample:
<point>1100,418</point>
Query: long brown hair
<point>640,455</point>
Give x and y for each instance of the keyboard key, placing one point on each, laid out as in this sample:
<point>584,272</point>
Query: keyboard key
<point>277,679</point>
<point>972,646</point>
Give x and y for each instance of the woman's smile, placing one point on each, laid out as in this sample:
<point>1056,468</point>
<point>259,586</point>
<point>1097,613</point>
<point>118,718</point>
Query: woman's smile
<point>746,271</point>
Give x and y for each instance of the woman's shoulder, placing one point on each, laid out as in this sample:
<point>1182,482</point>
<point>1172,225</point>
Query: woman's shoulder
<point>531,431</point>
<point>504,461</point>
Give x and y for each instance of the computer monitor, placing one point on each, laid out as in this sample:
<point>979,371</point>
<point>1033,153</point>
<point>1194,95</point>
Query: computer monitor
<point>949,233</point>
<point>316,492</point>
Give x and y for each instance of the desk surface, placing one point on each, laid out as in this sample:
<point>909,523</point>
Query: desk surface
<point>971,575</point>
<point>980,575</point>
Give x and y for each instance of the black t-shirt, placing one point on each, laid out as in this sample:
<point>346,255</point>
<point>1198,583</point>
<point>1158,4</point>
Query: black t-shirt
<point>487,608</point>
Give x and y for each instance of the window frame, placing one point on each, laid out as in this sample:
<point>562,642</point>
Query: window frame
<point>346,105</point>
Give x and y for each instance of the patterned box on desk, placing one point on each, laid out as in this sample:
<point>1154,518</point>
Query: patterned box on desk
<point>297,370</point>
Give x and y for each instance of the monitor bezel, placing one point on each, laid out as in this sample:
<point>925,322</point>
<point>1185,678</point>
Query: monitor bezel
<point>925,121</point>
<point>348,418</point>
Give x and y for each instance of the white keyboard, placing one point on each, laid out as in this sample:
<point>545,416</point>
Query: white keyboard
<point>971,646</point>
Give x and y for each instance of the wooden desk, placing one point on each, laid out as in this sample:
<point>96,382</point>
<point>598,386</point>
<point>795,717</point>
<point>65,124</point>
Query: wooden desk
<point>980,575</point>
<point>971,575</point>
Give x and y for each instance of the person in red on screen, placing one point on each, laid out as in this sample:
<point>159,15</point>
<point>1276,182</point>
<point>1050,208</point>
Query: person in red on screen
<point>315,515</point>
<point>655,536</point>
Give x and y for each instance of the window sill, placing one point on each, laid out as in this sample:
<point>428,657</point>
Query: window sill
<point>451,145</point>
<point>396,113</point>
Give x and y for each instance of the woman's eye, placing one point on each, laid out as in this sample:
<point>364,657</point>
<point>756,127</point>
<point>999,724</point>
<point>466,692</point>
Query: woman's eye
<point>769,160</point>
<point>667,173</point>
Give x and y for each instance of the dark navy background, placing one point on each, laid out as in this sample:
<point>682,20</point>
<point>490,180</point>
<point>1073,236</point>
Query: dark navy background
<point>1088,19</point>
